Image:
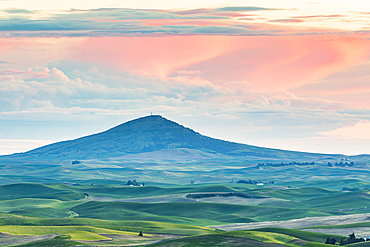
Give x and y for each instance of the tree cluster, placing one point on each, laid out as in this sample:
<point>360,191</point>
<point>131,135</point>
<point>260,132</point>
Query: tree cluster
<point>134,183</point>
<point>249,181</point>
<point>352,239</point>
<point>286,164</point>
<point>330,240</point>
<point>341,164</point>
<point>207,195</point>
<point>354,188</point>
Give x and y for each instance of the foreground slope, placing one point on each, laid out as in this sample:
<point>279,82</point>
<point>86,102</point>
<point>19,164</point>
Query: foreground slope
<point>153,134</point>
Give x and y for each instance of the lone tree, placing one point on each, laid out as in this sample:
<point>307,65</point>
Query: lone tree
<point>141,234</point>
<point>352,238</point>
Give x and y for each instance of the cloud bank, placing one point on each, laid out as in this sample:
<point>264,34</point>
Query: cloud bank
<point>108,22</point>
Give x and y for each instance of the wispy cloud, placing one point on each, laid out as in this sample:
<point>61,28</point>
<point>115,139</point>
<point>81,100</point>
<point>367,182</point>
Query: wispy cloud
<point>18,11</point>
<point>148,22</point>
<point>358,131</point>
<point>319,16</point>
<point>287,20</point>
<point>245,9</point>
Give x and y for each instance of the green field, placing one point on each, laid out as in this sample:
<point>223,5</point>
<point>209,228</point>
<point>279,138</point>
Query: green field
<point>105,202</point>
<point>264,236</point>
<point>195,213</point>
<point>102,214</point>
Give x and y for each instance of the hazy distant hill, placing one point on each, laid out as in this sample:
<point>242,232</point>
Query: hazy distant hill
<point>155,133</point>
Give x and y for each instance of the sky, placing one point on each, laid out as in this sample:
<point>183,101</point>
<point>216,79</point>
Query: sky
<point>282,74</point>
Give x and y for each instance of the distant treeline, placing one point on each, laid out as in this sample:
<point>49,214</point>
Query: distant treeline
<point>249,181</point>
<point>207,195</point>
<point>354,188</point>
<point>286,164</point>
<point>341,164</point>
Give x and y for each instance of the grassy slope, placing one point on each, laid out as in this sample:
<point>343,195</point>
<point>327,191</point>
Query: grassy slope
<point>56,200</point>
<point>194,213</point>
<point>307,236</point>
<point>58,241</point>
<point>39,207</point>
<point>329,201</point>
<point>260,237</point>
<point>133,192</point>
<point>76,232</point>
<point>334,184</point>
<point>360,244</point>
<point>268,237</point>
<point>362,224</point>
<point>215,240</point>
<point>29,190</point>
<point>131,226</point>
<point>273,236</point>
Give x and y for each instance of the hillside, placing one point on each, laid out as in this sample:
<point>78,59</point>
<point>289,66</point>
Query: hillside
<point>155,133</point>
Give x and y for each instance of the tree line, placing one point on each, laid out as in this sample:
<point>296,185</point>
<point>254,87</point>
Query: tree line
<point>249,181</point>
<point>341,164</point>
<point>286,164</point>
<point>344,241</point>
<point>207,195</point>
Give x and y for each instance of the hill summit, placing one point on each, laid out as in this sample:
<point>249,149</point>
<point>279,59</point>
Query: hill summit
<point>145,134</point>
<point>149,134</point>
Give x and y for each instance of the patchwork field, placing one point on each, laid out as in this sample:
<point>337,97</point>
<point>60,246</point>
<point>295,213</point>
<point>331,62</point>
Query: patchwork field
<point>290,214</point>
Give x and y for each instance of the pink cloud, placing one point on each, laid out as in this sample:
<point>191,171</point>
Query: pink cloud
<point>283,62</point>
<point>350,85</point>
<point>287,20</point>
<point>211,12</point>
<point>232,14</point>
<point>320,16</point>
<point>242,64</point>
<point>177,22</point>
<point>155,56</point>
<point>23,53</point>
<point>9,74</point>
<point>190,12</point>
<point>277,63</point>
<point>110,20</point>
<point>5,78</point>
<point>246,19</point>
<point>181,22</point>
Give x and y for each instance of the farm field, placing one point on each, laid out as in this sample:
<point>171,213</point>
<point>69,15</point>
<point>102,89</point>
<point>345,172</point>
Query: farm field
<point>114,215</point>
